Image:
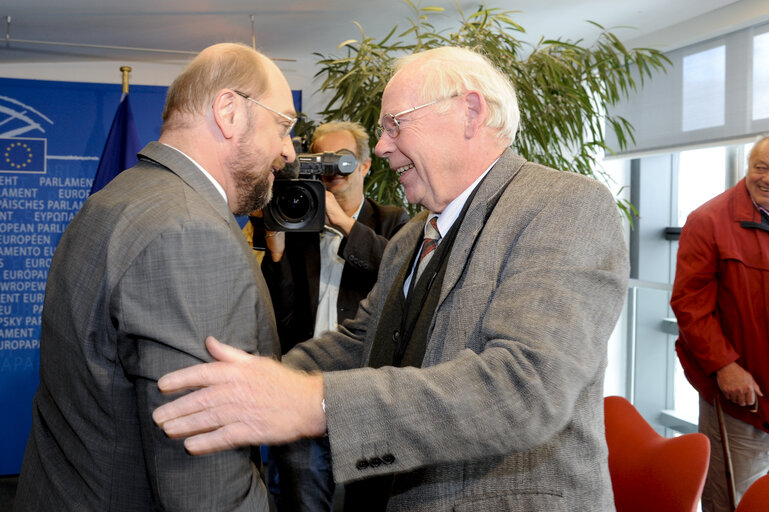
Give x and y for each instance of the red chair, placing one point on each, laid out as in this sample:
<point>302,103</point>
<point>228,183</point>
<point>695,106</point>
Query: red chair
<point>756,498</point>
<point>650,472</point>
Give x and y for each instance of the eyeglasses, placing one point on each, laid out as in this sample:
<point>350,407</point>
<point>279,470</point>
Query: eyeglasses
<point>286,127</point>
<point>391,125</point>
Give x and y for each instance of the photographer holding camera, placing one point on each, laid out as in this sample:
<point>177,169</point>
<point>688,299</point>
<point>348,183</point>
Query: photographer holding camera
<point>316,280</point>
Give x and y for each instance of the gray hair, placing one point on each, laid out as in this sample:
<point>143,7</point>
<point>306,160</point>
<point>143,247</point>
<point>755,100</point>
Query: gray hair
<point>362,151</point>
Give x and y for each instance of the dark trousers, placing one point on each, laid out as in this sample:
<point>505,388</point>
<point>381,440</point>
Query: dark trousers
<point>305,476</point>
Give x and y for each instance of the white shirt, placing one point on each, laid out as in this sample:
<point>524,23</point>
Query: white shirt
<point>447,218</point>
<point>331,267</point>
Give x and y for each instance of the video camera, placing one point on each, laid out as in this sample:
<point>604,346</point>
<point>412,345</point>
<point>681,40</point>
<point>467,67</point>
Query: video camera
<point>298,195</point>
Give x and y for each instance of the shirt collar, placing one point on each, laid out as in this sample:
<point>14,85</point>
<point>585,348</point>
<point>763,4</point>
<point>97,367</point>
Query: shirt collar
<point>449,214</point>
<point>205,173</point>
<point>760,208</point>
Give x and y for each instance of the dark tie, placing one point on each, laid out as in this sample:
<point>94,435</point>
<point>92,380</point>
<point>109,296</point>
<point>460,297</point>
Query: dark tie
<point>432,237</point>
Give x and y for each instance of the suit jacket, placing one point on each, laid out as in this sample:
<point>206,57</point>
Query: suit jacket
<point>506,412</point>
<point>151,265</point>
<point>294,280</point>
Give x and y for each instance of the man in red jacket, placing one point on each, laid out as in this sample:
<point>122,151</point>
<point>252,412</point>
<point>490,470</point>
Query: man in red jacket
<point>721,299</point>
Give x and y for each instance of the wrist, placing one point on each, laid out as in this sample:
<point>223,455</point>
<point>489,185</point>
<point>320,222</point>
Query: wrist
<point>343,224</point>
<point>317,407</point>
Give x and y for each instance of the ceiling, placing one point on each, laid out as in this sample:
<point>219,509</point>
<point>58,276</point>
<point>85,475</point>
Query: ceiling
<point>294,29</point>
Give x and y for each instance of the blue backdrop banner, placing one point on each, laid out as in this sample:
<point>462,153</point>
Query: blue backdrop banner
<point>52,135</point>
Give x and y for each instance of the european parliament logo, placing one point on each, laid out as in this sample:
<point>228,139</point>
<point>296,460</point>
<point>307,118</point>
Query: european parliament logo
<point>22,155</point>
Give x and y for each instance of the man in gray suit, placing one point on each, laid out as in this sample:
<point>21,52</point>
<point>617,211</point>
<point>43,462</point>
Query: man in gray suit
<point>479,384</point>
<point>153,264</point>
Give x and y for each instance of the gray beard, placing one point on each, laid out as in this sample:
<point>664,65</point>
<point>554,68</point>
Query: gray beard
<point>254,192</point>
<point>253,189</point>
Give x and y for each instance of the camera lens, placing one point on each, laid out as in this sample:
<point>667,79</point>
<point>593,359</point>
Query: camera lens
<point>295,203</point>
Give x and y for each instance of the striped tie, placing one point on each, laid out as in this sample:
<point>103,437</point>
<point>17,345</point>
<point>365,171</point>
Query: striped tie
<point>432,237</point>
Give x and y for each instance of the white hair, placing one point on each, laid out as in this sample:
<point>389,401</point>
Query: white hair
<point>451,70</point>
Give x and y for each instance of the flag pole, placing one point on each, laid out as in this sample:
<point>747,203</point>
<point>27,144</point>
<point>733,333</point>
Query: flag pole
<point>122,143</point>
<point>253,33</point>
<point>125,70</point>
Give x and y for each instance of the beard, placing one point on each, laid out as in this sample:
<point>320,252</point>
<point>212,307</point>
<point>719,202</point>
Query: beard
<point>253,187</point>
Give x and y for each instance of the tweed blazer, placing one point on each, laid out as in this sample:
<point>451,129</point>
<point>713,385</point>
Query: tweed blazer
<point>152,264</point>
<point>506,412</point>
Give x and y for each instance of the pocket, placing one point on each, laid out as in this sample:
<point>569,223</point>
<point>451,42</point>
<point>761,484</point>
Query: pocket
<point>513,502</point>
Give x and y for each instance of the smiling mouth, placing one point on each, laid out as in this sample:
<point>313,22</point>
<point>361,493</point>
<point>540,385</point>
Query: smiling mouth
<point>400,170</point>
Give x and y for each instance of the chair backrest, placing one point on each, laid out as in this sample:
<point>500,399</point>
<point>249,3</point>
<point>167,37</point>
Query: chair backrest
<point>649,471</point>
<point>756,498</point>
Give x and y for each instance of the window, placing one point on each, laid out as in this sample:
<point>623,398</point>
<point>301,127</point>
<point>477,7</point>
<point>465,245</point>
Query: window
<point>704,83</point>
<point>761,76</point>
<point>701,176</point>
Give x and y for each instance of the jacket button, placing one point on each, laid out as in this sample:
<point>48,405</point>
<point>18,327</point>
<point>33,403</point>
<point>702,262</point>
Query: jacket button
<point>396,336</point>
<point>388,458</point>
<point>375,462</point>
<point>361,464</point>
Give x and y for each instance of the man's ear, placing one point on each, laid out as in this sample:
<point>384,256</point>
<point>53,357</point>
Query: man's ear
<point>475,113</point>
<point>226,114</point>
<point>364,168</point>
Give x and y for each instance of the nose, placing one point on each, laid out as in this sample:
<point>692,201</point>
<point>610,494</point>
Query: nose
<point>287,150</point>
<point>384,146</point>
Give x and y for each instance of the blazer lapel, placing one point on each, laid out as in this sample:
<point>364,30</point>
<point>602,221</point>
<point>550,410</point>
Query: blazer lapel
<point>366,215</point>
<point>489,192</point>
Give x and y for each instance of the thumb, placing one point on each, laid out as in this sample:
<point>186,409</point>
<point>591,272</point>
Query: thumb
<point>225,353</point>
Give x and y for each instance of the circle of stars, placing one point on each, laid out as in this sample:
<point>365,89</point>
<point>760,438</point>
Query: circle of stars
<point>18,155</point>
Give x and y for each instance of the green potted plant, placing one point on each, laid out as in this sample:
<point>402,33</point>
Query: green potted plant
<point>564,89</point>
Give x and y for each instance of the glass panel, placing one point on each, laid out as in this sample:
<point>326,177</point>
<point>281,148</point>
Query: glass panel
<point>686,398</point>
<point>704,81</point>
<point>701,176</point>
<point>742,165</point>
<point>761,76</point>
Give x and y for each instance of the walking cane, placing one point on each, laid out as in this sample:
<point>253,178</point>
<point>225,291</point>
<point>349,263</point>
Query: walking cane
<point>728,469</point>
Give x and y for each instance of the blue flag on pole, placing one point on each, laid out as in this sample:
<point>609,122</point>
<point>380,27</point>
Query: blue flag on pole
<point>121,148</point>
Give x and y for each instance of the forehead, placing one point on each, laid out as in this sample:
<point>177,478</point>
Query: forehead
<point>760,152</point>
<point>335,141</point>
<point>278,90</point>
<point>401,92</point>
